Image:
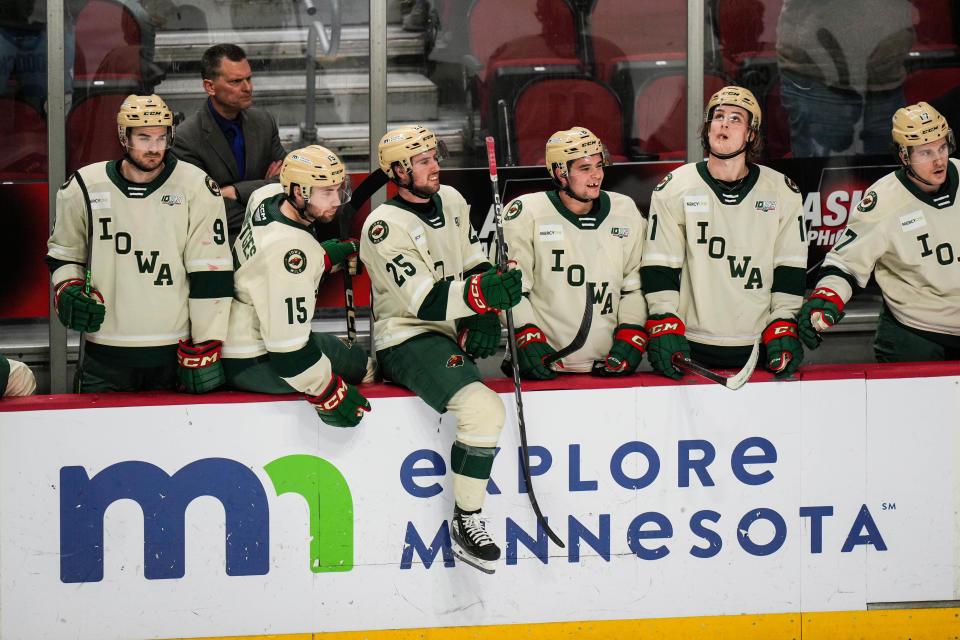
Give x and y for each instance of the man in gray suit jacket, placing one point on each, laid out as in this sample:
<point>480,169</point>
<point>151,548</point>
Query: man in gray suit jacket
<point>236,144</point>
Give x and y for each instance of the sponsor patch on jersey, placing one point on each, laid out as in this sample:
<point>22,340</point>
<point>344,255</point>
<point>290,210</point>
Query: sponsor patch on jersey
<point>99,199</point>
<point>790,183</point>
<point>261,213</point>
<point>550,233</point>
<point>868,202</point>
<point>378,231</point>
<point>212,186</point>
<point>765,205</point>
<point>295,261</point>
<point>620,232</point>
<point>172,200</point>
<point>513,210</point>
<point>660,185</point>
<point>696,204</point>
<point>419,237</point>
<point>454,361</point>
<point>912,220</point>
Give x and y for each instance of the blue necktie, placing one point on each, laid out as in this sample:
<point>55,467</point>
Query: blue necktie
<point>235,138</point>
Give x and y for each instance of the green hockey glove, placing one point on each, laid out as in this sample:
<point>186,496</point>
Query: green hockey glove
<point>629,344</point>
<point>532,350</point>
<point>492,290</point>
<point>341,404</point>
<point>784,351</point>
<point>200,367</point>
<point>479,335</point>
<point>823,309</point>
<point>78,310</point>
<point>337,253</point>
<point>667,338</point>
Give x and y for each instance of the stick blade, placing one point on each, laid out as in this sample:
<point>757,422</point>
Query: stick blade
<point>736,381</point>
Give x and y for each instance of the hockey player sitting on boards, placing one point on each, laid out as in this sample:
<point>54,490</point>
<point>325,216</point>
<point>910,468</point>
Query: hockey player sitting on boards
<point>140,262</point>
<point>279,265</point>
<point>901,232</point>
<point>725,258</point>
<point>432,286</point>
<point>573,243</point>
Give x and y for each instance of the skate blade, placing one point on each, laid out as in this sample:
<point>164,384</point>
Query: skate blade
<point>486,566</point>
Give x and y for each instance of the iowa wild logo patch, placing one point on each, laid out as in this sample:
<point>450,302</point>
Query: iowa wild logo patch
<point>869,202</point>
<point>454,361</point>
<point>295,261</point>
<point>513,210</point>
<point>660,185</point>
<point>378,231</point>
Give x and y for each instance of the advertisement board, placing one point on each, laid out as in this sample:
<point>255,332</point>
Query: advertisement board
<point>248,516</point>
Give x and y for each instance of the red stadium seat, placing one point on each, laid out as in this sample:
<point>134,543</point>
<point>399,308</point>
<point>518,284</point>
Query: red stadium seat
<point>747,30</point>
<point>546,106</point>
<point>114,48</point>
<point>513,39</point>
<point>92,131</point>
<point>660,111</point>
<point>627,30</point>
<point>23,154</point>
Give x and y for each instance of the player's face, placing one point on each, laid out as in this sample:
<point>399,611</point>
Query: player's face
<point>929,162</point>
<point>728,129</point>
<point>146,146</point>
<point>324,202</point>
<point>426,172</point>
<point>232,90</point>
<point>585,176</point>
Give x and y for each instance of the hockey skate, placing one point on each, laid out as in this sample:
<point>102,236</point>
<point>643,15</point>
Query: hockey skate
<point>471,542</point>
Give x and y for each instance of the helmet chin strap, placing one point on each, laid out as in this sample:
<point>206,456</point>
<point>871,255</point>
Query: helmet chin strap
<point>912,173</point>
<point>301,212</point>
<point>412,188</point>
<point>140,167</point>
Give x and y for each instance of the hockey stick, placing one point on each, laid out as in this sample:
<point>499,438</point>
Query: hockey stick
<point>88,276</point>
<point>365,190</point>
<point>734,382</point>
<point>581,338</point>
<point>512,345</point>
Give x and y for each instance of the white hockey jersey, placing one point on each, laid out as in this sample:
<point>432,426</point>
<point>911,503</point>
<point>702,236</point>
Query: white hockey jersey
<point>565,258</point>
<point>727,263</point>
<point>905,237</point>
<point>417,265</point>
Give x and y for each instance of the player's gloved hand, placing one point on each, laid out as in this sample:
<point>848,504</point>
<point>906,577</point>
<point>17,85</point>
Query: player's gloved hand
<point>479,335</point>
<point>339,252</point>
<point>341,404</point>
<point>784,351</point>
<point>492,290</point>
<point>823,309</point>
<point>200,367</point>
<point>629,344</point>
<point>532,350</point>
<point>667,338</point>
<point>77,310</point>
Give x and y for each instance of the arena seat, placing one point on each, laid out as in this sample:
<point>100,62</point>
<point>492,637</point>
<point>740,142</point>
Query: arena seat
<point>514,40</point>
<point>23,154</point>
<point>92,130</point>
<point>624,31</point>
<point>114,49</point>
<point>545,106</point>
<point>660,109</point>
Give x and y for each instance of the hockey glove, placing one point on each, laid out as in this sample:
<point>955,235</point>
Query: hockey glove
<point>338,253</point>
<point>823,309</point>
<point>784,351</point>
<point>76,309</point>
<point>532,350</point>
<point>492,290</point>
<point>666,339</point>
<point>340,405</point>
<point>629,343</point>
<point>200,367</point>
<point>479,335</point>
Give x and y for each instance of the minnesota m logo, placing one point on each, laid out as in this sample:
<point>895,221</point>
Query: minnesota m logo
<point>163,500</point>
